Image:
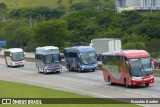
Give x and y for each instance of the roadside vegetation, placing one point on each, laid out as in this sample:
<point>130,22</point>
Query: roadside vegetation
<point>19,90</point>
<point>75,22</point>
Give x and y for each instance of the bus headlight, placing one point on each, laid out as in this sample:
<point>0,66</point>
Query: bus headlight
<point>82,66</point>
<point>46,67</point>
<point>151,77</point>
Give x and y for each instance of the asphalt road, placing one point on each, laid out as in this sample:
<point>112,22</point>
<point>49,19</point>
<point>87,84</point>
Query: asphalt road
<point>87,83</point>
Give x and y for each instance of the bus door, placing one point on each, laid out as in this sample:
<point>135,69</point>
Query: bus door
<point>72,60</point>
<point>7,57</point>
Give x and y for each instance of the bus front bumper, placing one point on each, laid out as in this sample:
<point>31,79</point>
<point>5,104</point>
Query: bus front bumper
<point>53,69</point>
<point>141,81</point>
<point>88,67</point>
<point>19,63</point>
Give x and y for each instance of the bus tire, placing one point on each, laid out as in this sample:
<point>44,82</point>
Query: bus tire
<point>69,68</point>
<point>44,71</point>
<point>78,69</point>
<point>110,81</point>
<point>38,69</point>
<point>125,83</point>
<point>147,84</point>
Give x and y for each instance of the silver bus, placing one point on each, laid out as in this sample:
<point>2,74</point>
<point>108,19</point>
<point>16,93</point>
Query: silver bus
<point>47,59</point>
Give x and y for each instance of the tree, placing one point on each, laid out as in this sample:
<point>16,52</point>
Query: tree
<point>39,14</point>
<point>134,41</point>
<point>16,33</point>
<point>110,33</point>
<point>154,45</point>
<point>70,1</point>
<point>52,32</point>
<point>3,6</point>
<point>59,2</point>
<point>130,18</point>
<point>79,6</point>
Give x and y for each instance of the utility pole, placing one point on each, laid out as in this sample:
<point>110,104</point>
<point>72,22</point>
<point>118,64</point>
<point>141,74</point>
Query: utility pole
<point>30,21</point>
<point>151,6</point>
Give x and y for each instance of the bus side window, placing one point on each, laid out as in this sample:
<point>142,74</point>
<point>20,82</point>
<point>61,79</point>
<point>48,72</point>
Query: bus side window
<point>65,54</point>
<point>73,54</point>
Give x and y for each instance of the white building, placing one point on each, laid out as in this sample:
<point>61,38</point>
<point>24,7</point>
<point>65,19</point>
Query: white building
<point>139,5</point>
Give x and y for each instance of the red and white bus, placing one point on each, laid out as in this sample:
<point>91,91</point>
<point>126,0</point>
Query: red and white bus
<point>130,67</point>
<point>14,57</point>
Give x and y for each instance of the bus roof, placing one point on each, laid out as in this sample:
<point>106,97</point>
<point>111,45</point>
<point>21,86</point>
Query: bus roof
<point>80,48</point>
<point>47,48</point>
<point>12,50</point>
<point>45,53</point>
<point>129,53</point>
<point>107,39</point>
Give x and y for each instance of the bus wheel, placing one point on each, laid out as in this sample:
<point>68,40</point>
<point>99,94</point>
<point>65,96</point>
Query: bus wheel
<point>38,69</point>
<point>147,84</point>
<point>69,68</point>
<point>44,71</point>
<point>78,69</point>
<point>109,80</point>
<point>126,84</point>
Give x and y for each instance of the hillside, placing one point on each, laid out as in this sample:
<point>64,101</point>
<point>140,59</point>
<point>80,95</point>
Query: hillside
<point>13,4</point>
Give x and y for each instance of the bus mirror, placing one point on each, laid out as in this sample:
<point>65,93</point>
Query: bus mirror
<point>127,64</point>
<point>154,63</point>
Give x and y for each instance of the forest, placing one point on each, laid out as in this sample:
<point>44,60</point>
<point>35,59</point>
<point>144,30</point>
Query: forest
<point>77,24</point>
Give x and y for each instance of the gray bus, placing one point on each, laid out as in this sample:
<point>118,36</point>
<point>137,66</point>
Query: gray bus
<point>47,59</point>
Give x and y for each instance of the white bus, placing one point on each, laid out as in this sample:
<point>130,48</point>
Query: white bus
<point>14,57</point>
<point>47,59</point>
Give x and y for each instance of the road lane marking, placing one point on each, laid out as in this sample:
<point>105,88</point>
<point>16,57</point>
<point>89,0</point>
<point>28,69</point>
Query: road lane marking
<point>154,96</point>
<point>130,91</point>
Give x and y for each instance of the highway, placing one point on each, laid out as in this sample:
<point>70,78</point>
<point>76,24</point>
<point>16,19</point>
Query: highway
<point>86,83</point>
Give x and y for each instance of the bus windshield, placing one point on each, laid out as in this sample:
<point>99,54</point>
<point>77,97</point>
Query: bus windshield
<point>88,57</point>
<point>140,67</point>
<point>17,56</point>
<point>53,58</point>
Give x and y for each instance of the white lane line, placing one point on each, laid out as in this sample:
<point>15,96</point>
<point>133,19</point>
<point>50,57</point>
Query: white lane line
<point>92,76</point>
<point>144,105</point>
<point>154,96</point>
<point>25,71</point>
<point>76,81</point>
<point>144,94</point>
<point>56,85</point>
<point>136,92</point>
<point>130,91</point>
<point>112,87</point>
<point>127,91</point>
<point>120,89</point>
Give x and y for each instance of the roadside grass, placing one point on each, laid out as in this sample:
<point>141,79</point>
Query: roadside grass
<point>19,90</point>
